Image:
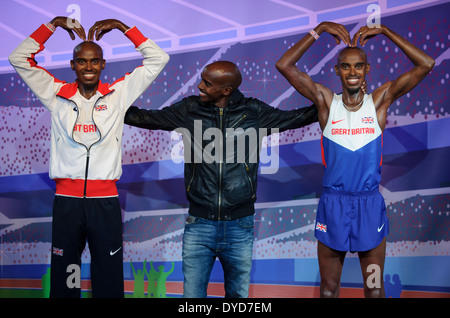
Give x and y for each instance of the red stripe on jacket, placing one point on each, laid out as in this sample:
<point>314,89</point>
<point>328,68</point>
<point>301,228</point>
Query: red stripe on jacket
<point>94,188</point>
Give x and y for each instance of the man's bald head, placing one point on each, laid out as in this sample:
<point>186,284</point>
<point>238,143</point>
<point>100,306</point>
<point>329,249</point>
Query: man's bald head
<point>351,49</point>
<point>227,71</point>
<point>87,44</point>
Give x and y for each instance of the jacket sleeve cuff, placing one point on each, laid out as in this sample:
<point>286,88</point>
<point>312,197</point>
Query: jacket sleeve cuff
<point>42,34</point>
<point>135,36</point>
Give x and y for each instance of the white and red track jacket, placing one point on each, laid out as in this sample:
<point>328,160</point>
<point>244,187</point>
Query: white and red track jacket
<point>80,170</point>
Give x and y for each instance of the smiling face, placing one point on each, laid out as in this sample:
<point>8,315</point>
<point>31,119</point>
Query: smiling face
<point>212,87</point>
<point>88,64</point>
<point>352,68</point>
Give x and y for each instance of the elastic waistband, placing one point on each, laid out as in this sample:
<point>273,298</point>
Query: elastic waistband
<point>94,188</point>
<point>355,193</point>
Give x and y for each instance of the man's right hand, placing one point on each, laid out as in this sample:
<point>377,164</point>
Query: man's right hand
<point>338,31</point>
<point>71,26</point>
<point>100,28</point>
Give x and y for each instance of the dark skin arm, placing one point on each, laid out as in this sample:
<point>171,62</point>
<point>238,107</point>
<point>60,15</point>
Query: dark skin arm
<point>71,26</point>
<point>320,95</point>
<point>387,93</point>
<point>97,31</point>
<point>100,28</point>
<point>383,96</point>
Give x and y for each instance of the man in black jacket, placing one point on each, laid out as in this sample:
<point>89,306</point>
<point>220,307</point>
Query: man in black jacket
<point>220,172</point>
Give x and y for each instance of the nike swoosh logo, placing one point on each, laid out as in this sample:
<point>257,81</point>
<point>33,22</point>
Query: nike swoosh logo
<point>111,253</point>
<point>380,228</point>
<point>337,121</point>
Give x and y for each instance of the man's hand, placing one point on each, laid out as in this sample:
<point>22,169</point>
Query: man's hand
<point>365,33</point>
<point>364,87</point>
<point>338,31</point>
<point>71,26</point>
<point>100,28</point>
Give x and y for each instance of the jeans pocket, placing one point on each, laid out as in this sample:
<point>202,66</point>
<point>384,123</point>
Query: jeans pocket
<point>246,222</point>
<point>190,220</point>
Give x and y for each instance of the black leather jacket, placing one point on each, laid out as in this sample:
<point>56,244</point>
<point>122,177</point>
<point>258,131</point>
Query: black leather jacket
<point>221,189</point>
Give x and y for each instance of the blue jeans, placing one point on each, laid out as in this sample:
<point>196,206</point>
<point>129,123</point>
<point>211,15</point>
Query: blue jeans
<point>230,241</point>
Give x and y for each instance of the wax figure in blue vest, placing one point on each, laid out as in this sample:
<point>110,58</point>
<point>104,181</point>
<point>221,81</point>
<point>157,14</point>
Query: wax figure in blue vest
<point>351,214</point>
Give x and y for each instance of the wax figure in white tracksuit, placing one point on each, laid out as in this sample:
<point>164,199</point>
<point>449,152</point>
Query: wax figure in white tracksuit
<point>85,156</point>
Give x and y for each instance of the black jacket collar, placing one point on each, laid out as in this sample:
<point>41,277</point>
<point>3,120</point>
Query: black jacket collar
<point>235,99</point>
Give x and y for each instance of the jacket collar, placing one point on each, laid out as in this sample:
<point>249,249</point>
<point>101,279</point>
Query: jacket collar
<point>68,90</point>
<point>235,99</point>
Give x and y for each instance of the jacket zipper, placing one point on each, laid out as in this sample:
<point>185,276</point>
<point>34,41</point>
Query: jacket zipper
<point>220,167</point>
<point>88,153</point>
<point>247,169</point>
<point>239,121</point>
<point>88,150</point>
<point>192,178</point>
<point>86,172</point>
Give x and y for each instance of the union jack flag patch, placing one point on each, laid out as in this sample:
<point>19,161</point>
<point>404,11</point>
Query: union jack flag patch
<point>321,227</point>
<point>58,251</point>
<point>367,120</point>
<point>100,107</point>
